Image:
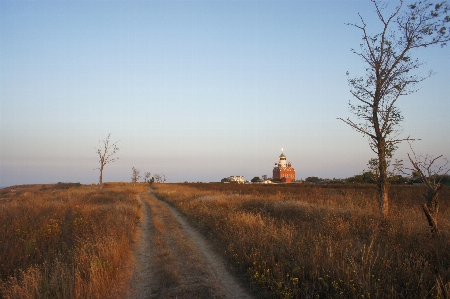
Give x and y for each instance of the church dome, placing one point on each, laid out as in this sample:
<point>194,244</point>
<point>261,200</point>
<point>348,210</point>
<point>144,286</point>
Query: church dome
<point>282,157</point>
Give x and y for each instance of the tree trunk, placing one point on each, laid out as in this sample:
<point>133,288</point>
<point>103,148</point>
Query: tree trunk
<point>383,181</point>
<point>101,177</point>
<point>431,208</point>
<point>432,198</point>
<point>384,199</point>
<point>380,141</point>
<point>432,220</point>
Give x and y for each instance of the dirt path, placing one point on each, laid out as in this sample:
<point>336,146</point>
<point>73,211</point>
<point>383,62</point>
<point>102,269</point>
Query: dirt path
<point>173,260</point>
<point>143,280</point>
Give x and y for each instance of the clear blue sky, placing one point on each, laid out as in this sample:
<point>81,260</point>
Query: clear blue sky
<point>198,90</point>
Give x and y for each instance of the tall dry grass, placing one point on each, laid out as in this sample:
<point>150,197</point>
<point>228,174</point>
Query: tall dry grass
<point>67,243</point>
<point>323,241</point>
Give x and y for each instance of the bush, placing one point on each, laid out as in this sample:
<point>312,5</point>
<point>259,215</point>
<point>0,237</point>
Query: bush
<point>60,185</point>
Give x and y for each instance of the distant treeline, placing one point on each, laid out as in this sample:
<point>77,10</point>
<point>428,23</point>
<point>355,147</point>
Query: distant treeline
<point>61,185</point>
<point>368,178</point>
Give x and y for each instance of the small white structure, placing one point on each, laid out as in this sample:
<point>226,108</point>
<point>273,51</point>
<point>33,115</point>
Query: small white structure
<point>237,178</point>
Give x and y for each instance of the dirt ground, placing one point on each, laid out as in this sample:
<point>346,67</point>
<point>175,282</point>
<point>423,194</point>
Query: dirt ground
<point>173,260</point>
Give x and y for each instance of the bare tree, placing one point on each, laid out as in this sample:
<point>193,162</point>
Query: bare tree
<point>135,176</point>
<point>431,174</point>
<point>147,176</point>
<point>157,177</point>
<point>106,155</point>
<point>163,177</point>
<point>390,74</point>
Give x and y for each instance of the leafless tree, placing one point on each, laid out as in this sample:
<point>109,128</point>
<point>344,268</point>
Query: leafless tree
<point>147,176</point>
<point>390,74</point>
<point>431,171</point>
<point>135,175</point>
<point>106,155</point>
<point>163,177</point>
<point>158,178</point>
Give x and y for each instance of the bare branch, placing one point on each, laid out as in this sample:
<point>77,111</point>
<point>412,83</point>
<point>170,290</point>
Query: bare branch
<point>390,74</point>
<point>106,155</point>
<point>135,175</point>
<point>356,127</point>
<point>431,175</point>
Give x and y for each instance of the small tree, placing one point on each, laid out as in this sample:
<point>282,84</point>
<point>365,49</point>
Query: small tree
<point>158,178</point>
<point>313,179</point>
<point>106,155</point>
<point>389,75</point>
<point>431,174</point>
<point>147,176</point>
<point>255,179</point>
<point>135,175</point>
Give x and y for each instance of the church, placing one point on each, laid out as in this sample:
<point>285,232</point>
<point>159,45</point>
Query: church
<point>283,170</point>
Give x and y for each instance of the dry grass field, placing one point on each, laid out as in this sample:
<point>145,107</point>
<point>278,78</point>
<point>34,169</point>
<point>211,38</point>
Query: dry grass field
<point>67,240</point>
<point>284,241</point>
<point>305,241</point>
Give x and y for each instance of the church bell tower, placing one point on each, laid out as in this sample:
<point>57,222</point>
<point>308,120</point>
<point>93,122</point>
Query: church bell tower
<point>283,170</point>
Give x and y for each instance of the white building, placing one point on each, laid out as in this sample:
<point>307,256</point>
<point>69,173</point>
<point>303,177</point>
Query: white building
<point>237,178</point>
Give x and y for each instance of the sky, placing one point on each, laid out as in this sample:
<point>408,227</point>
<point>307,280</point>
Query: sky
<point>197,90</point>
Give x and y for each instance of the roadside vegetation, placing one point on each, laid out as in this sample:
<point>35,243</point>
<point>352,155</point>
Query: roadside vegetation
<point>323,241</point>
<point>67,240</point>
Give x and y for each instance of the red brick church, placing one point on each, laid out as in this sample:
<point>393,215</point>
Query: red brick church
<point>283,171</point>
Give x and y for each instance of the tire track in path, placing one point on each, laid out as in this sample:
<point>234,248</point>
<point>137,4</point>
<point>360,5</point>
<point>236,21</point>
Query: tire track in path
<point>173,260</point>
<point>143,279</point>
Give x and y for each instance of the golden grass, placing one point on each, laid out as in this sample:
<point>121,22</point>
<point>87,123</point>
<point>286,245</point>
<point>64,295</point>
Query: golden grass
<point>67,243</point>
<point>323,241</point>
